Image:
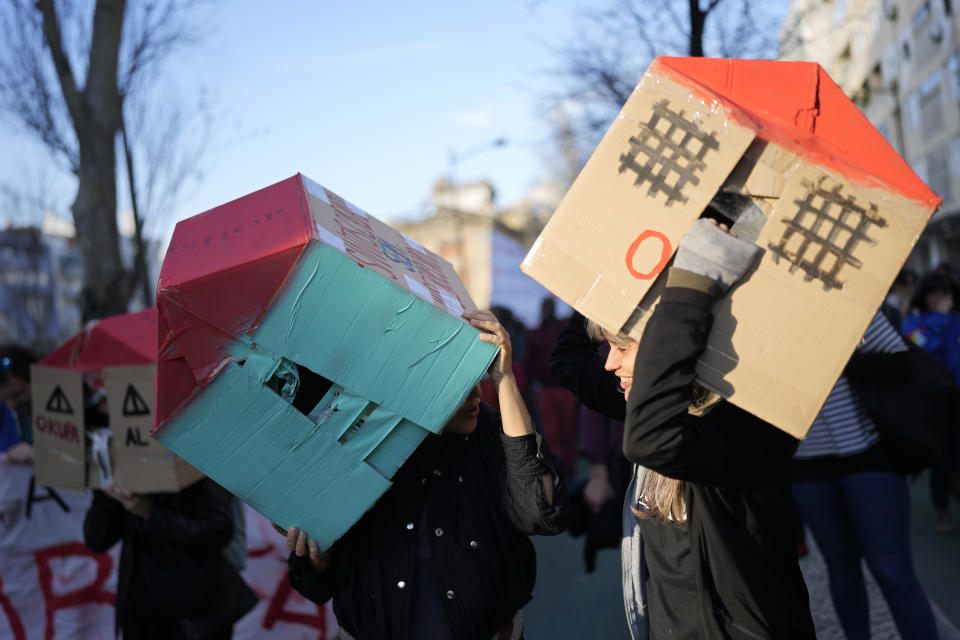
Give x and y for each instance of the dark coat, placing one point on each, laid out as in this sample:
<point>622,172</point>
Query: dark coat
<point>171,563</point>
<point>735,468</point>
<point>480,497</point>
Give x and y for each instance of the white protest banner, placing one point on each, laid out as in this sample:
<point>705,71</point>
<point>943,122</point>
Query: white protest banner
<point>52,587</point>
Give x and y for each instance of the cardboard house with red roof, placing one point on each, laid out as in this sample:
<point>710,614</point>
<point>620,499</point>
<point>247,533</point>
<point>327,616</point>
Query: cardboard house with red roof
<point>112,359</point>
<point>306,349</point>
<point>779,148</point>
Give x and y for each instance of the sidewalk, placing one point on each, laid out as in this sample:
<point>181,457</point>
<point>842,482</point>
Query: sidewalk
<point>568,603</point>
<point>881,624</point>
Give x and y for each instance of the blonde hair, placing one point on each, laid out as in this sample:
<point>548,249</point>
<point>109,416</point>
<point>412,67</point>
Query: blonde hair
<point>662,499</point>
<point>662,496</point>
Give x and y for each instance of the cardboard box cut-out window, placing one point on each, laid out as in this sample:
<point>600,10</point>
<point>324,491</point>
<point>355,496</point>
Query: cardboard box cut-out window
<point>781,149</point>
<point>306,349</point>
<point>115,356</point>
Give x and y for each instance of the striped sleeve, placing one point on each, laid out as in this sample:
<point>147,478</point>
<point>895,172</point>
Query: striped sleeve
<point>881,337</point>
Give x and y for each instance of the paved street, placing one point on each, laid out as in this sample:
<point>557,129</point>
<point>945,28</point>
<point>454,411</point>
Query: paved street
<point>570,604</point>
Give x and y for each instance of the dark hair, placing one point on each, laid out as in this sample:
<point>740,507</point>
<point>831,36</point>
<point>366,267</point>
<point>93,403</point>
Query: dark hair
<point>15,362</point>
<point>906,276</point>
<point>931,282</point>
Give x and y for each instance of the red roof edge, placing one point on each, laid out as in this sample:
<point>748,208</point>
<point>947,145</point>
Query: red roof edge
<point>797,105</point>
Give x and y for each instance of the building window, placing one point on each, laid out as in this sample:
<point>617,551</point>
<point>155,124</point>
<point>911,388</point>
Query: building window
<point>939,177</point>
<point>955,157</point>
<point>953,69</point>
<point>921,16</point>
<point>839,12</point>
<point>885,129</point>
<point>929,105</point>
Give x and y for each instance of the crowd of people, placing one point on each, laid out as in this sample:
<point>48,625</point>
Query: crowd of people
<point>619,442</point>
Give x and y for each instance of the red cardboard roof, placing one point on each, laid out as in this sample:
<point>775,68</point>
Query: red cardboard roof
<point>797,105</point>
<point>225,266</point>
<point>126,339</point>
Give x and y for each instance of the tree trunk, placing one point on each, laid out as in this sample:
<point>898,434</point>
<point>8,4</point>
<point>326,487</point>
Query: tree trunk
<point>106,289</point>
<point>698,18</point>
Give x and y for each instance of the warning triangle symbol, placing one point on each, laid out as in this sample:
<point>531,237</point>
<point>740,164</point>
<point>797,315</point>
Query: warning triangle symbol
<point>58,402</point>
<point>133,404</point>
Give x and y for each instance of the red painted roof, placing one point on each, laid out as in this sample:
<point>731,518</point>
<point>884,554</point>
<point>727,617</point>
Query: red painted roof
<point>797,105</point>
<point>126,339</point>
<point>220,274</point>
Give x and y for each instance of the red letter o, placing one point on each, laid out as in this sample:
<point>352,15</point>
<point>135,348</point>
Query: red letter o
<point>665,254</point>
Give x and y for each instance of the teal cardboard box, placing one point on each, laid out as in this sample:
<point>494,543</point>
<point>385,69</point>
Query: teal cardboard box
<point>305,350</point>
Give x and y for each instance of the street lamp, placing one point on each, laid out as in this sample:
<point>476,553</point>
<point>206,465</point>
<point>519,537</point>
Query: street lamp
<point>453,159</point>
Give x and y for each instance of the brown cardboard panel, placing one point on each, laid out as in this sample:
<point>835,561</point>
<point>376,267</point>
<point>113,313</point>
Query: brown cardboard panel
<point>657,167</point>
<point>781,339</point>
<point>58,427</point>
<point>761,171</point>
<point>142,465</point>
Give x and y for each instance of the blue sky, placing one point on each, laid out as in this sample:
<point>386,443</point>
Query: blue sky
<point>368,99</point>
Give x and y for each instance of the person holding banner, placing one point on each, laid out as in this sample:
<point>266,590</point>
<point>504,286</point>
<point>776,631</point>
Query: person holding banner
<point>445,553</point>
<point>708,541</point>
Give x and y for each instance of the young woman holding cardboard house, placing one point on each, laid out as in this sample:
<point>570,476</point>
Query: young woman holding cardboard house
<point>708,548</point>
<point>445,552</point>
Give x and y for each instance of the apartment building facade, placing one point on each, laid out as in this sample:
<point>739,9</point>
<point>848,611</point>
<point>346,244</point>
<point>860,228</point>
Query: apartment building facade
<point>899,60</point>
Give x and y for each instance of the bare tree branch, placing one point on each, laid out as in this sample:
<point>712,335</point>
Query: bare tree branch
<point>600,67</point>
<point>54,41</point>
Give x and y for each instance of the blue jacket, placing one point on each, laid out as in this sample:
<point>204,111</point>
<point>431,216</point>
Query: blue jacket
<point>936,333</point>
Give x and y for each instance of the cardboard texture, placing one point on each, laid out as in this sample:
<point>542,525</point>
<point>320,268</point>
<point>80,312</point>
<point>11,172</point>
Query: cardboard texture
<point>141,464</point>
<point>59,432</point>
<point>836,210</point>
<point>71,454</point>
<point>306,349</point>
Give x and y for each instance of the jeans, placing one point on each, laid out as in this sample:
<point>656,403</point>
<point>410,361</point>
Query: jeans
<point>867,515</point>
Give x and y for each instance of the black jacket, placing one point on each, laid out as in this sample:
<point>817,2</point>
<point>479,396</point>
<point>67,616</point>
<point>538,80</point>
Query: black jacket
<point>735,468</point>
<point>171,564</point>
<point>480,497</point>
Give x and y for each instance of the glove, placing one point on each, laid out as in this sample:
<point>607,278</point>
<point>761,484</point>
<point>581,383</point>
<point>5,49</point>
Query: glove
<point>710,251</point>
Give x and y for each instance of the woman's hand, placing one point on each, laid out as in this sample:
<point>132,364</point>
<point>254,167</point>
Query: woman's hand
<point>711,249</point>
<point>298,542</point>
<point>496,334</point>
<point>598,488</point>
<point>20,453</point>
<point>139,505</point>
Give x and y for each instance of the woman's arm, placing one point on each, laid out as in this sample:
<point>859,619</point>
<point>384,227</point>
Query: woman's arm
<point>311,571</point>
<point>103,523</point>
<point>535,493</point>
<point>577,365</point>
<point>659,431</point>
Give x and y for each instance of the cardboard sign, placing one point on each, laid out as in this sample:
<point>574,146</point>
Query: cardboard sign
<point>59,433</point>
<point>306,349</point>
<point>836,210</point>
<point>142,465</point>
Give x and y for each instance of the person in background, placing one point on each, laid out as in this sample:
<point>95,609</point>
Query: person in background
<point>555,406</point>
<point>708,533</point>
<point>174,582</point>
<point>16,428</point>
<point>933,324</point>
<point>897,303</point>
<point>606,484</point>
<point>445,552</point>
<point>854,502</point>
